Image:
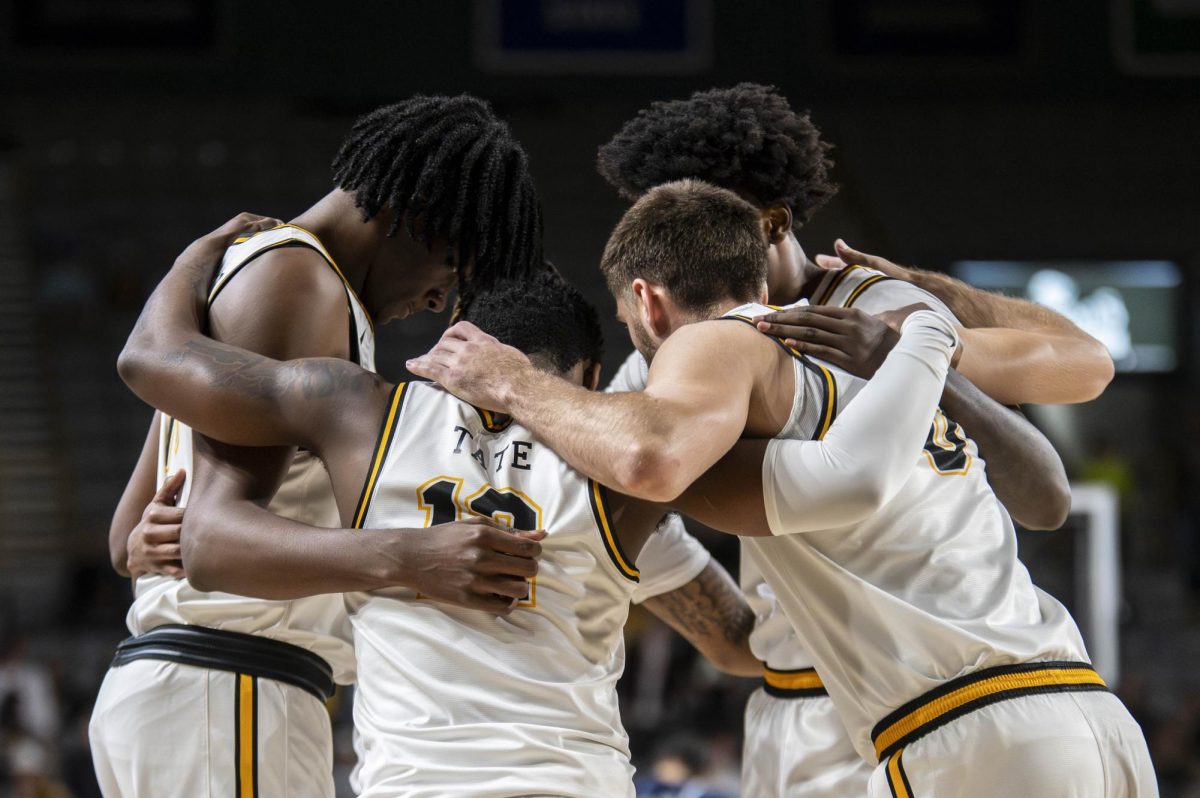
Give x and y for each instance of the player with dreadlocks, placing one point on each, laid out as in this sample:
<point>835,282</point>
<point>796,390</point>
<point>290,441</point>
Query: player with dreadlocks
<point>220,694</point>
<point>749,140</point>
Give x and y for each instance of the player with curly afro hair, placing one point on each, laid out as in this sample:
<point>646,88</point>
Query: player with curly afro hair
<point>746,139</point>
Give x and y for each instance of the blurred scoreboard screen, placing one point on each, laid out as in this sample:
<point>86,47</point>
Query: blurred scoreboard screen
<point>1132,307</point>
<point>596,36</point>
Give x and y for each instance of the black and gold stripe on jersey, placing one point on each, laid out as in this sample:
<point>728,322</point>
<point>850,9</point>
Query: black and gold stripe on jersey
<point>861,287</point>
<point>598,498</point>
<point>297,242</point>
<point>493,422</point>
<point>836,280</point>
<point>829,388</point>
<point>387,431</point>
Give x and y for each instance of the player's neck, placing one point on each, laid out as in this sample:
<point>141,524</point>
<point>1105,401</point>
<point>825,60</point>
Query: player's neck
<point>338,223</point>
<point>804,284</point>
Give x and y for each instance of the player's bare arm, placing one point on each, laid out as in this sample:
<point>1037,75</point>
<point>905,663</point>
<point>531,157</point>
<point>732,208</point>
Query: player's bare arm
<point>646,444</point>
<point>792,486</point>
<point>233,394</point>
<point>232,543</point>
<point>712,614</point>
<point>332,407</point>
<point>139,491</point>
<point>135,506</point>
<point>1021,352</point>
<point>1024,469</point>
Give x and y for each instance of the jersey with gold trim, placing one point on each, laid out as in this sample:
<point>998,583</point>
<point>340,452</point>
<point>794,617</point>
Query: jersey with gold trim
<point>927,589</point>
<point>317,623</point>
<point>773,640</point>
<point>460,702</point>
<point>818,388</point>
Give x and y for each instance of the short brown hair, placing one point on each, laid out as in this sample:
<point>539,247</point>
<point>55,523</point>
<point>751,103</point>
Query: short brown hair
<point>702,243</point>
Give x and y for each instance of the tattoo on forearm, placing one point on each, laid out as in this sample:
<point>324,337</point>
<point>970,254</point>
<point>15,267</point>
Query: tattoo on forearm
<point>255,376</point>
<point>710,604</point>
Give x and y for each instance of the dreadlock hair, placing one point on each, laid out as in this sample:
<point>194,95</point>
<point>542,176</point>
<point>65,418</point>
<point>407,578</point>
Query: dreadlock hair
<point>540,315</point>
<point>450,164</point>
<point>746,139</point>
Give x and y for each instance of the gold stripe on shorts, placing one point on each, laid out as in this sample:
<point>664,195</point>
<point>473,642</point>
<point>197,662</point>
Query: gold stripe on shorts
<point>798,683</point>
<point>966,694</point>
<point>246,735</point>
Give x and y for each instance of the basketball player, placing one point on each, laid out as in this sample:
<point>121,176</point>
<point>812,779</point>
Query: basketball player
<point>749,140</point>
<point>457,701</point>
<point>953,674</point>
<point>221,694</point>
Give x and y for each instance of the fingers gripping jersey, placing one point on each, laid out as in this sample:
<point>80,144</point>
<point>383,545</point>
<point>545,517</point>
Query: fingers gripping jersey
<point>318,623</point>
<point>461,702</point>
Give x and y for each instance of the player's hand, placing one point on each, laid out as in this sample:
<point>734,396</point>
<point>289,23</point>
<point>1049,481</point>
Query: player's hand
<point>474,563</point>
<point>154,542</point>
<point>205,253</point>
<point>473,366</point>
<point>848,256</point>
<point>853,341</point>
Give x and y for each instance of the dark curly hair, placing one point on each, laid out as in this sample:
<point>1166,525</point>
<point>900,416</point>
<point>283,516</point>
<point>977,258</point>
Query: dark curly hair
<point>746,139</point>
<point>452,164</point>
<point>540,315</point>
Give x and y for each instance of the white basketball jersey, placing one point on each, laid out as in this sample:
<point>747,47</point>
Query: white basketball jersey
<point>318,623</point>
<point>461,702</point>
<point>773,640</point>
<point>927,589</point>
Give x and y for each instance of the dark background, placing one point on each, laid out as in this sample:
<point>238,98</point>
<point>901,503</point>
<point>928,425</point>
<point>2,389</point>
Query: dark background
<point>967,129</point>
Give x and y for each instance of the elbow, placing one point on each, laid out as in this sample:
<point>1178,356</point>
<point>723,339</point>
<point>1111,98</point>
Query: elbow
<point>119,557</point>
<point>1095,372</point>
<point>1051,510</point>
<point>647,470</point>
<point>131,366</point>
<point>1103,371</point>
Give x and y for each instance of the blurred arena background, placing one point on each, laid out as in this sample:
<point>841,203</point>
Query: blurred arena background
<point>1047,149</point>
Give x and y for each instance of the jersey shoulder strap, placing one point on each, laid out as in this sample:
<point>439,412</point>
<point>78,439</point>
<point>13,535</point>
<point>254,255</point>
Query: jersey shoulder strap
<point>843,287</point>
<point>247,248</point>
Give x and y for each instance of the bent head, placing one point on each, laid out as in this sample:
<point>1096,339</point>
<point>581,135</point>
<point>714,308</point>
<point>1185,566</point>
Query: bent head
<point>746,139</point>
<point>549,320</point>
<point>685,252</point>
<point>449,189</point>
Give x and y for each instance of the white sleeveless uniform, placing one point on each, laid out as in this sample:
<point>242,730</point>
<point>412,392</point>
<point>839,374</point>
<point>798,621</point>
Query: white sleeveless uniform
<point>457,702</point>
<point>204,713</point>
<point>929,590</point>
<point>794,743</point>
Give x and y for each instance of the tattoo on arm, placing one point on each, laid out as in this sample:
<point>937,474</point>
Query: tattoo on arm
<point>709,605</point>
<point>258,377</point>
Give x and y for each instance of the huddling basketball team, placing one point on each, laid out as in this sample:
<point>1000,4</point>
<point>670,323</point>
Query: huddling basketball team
<point>465,550</point>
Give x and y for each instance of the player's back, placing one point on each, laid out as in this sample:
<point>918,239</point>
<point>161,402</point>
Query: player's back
<point>454,701</point>
<point>318,623</point>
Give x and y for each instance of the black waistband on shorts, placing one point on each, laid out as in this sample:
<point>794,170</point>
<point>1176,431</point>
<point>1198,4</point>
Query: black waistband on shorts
<point>966,694</point>
<point>231,651</point>
<point>796,683</point>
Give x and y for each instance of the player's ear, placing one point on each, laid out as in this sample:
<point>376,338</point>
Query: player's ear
<point>777,222</point>
<point>653,305</point>
<point>591,376</point>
